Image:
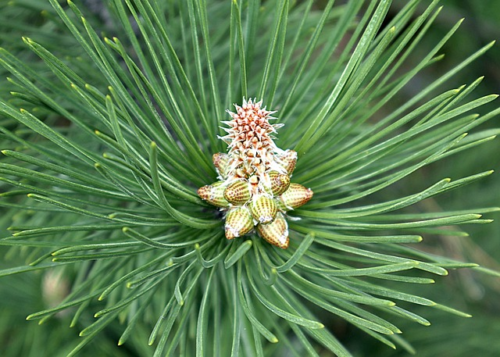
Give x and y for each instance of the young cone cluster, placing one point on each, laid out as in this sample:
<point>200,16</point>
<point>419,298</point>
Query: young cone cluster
<point>254,177</point>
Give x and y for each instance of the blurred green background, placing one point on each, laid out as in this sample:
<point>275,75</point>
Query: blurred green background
<point>469,291</point>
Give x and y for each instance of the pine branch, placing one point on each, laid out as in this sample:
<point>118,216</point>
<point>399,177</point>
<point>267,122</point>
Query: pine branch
<point>109,125</point>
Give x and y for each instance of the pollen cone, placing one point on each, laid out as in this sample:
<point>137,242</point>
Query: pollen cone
<point>289,160</point>
<point>238,192</point>
<point>279,182</point>
<point>275,232</point>
<point>296,196</point>
<point>263,209</point>
<point>238,222</point>
<point>214,194</point>
<point>221,163</point>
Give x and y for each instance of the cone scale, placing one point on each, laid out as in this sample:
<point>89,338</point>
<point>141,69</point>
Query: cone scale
<point>254,189</point>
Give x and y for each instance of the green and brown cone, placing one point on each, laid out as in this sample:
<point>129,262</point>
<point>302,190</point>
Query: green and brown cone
<point>254,186</point>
